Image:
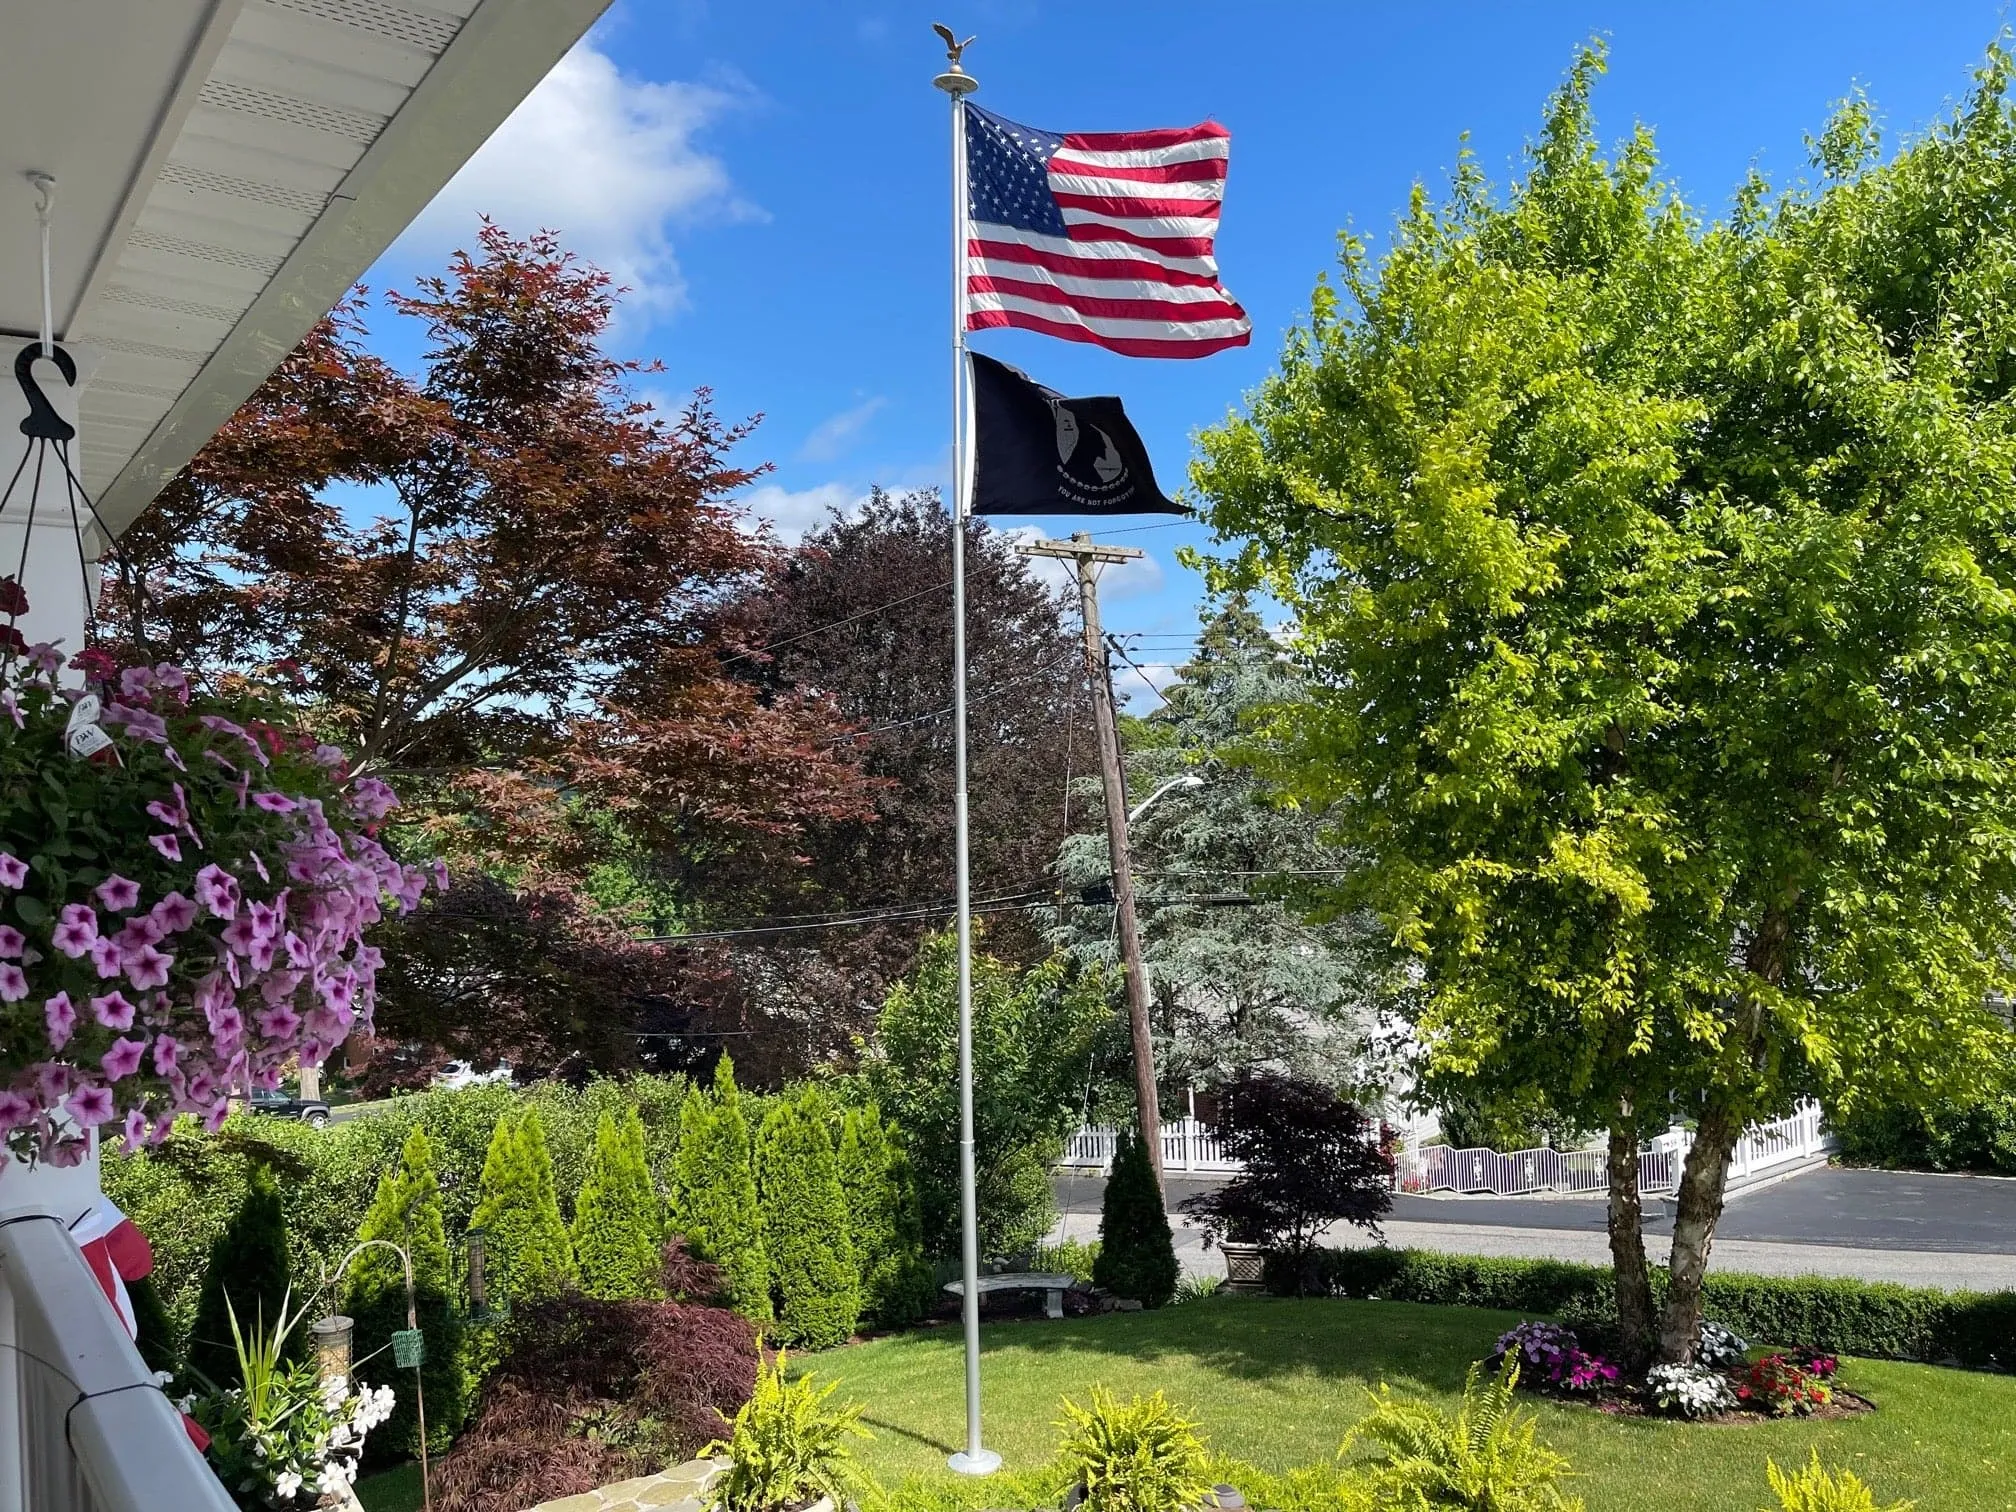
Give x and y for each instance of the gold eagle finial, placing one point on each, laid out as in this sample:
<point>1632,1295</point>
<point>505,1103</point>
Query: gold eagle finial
<point>953,46</point>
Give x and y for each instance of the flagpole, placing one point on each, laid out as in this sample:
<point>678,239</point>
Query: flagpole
<point>974,1459</point>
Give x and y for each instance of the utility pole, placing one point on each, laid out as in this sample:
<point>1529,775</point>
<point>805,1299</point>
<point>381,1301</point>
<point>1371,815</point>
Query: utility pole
<point>1085,553</point>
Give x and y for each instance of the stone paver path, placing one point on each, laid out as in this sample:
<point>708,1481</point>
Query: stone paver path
<point>676,1490</point>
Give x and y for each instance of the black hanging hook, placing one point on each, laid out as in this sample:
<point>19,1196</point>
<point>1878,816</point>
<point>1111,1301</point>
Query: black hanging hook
<point>43,423</point>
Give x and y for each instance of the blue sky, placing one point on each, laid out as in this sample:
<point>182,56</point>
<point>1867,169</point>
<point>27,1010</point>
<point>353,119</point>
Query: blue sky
<point>771,178</point>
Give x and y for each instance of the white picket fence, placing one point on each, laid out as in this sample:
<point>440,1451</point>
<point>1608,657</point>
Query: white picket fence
<point>1189,1146</point>
<point>1186,1146</point>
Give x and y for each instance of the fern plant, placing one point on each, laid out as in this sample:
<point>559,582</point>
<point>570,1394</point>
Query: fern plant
<point>1486,1458</point>
<point>788,1446</point>
<point>1140,1456</point>
<point>1814,1489</point>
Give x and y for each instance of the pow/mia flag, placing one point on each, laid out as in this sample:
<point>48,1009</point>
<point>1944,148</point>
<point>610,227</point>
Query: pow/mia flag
<point>1036,452</point>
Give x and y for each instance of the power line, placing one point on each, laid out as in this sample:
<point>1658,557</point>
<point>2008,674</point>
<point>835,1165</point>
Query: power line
<point>995,691</point>
<point>835,624</point>
<point>908,914</point>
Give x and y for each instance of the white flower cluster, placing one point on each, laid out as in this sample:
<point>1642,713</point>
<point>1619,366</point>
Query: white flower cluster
<point>1690,1390</point>
<point>1717,1344</point>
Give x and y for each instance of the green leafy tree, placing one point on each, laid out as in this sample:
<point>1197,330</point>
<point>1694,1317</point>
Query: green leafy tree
<point>407,1212</point>
<point>518,1211</point>
<point>1137,1250</point>
<point>249,1273</point>
<point>1653,580</point>
<point>883,1220</point>
<point>805,1226</point>
<point>1232,987</point>
<point>618,1226</point>
<point>1038,1037</point>
<point>715,1199</point>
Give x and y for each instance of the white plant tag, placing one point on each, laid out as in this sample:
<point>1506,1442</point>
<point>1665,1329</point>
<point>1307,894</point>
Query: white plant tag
<point>84,712</point>
<point>86,740</point>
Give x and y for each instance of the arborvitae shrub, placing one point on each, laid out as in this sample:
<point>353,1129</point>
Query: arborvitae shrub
<point>805,1228</point>
<point>518,1212</point>
<point>408,1212</point>
<point>617,1229</point>
<point>248,1265</point>
<point>1137,1252</point>
<point>716,1204</point>
<point>883,1221</point>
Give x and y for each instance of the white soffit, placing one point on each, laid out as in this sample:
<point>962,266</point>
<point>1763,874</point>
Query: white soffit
<point>225,171</point>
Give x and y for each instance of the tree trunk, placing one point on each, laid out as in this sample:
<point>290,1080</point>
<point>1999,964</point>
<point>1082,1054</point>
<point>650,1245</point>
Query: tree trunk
<point>1699,1208</point>
<point>1627,1243</point>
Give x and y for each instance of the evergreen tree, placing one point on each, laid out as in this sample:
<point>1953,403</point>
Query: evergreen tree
<point>618,1229</point>
<point>407,1212</point>
<point>518,1212</point>
<point>805,1228</point>
<point>249,1267</point>
<point>716,1192</point>
<point>1137,1252</point>
<point>883,1221</point>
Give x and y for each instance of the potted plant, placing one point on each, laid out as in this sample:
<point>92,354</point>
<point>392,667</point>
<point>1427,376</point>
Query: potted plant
<point>185,879</point>
<point>788,1450</point>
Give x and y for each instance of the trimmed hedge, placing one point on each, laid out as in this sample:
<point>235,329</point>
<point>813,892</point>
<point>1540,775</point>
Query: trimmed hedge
<point>1873,1318</point>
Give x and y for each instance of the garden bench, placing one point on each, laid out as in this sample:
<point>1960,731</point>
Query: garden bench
<point>1052,1286</point>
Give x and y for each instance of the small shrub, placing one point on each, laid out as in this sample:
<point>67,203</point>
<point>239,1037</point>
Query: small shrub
<point>788,1447</point>
<point>249,1276</point>
<point>519,1212</point>
<point>1067,1257</point>
<point>812,1270</point>
<point>1690,1391</point>
<point>1718,1346</point>
<point>1778,1386</point>
<point>715,1204</point>
<point>1815,1489</point>
<point>1141,1456</point>
<point>1485,1458</point>
<point>1137,1251</point>
<point>618,1228</point>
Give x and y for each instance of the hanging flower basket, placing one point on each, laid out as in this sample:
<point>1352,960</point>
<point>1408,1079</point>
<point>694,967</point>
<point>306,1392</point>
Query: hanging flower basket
<point>185,882</point>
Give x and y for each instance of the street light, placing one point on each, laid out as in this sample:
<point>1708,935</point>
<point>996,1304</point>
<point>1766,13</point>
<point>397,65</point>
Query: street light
<point>1186,781</point>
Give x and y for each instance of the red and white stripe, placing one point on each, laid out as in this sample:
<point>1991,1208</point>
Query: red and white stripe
<point>1137,273</point>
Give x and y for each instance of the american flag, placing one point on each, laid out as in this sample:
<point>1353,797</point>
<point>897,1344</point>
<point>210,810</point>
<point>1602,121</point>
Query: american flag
<point>1099,236</point>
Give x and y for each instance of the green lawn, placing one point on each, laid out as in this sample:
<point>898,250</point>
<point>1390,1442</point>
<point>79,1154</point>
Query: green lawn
<point>1277,1382</point>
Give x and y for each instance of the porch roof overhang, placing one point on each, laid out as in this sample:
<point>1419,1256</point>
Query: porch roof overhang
<point>225,170</point>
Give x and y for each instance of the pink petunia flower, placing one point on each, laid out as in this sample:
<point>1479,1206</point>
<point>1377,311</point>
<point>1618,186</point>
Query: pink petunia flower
<point>167,1052</point>
<point>172,680</point>
<point>76,930</point>
<point>173,914</point>
<point>13,870</point>
<point>60,1015</point>
<point>13,707</point>
<point>16,1112</point>
<point>217,890</point>
<point>277,1023</point>
<point>118,893</point>
<point>139,930</point>
<point>135,1131</point>
<point>215,1114</point>
<point>12,942</point>
<point>135,682</point>
<point>52,1080</point>
<point>258,865</point>
<point>90,1105</point>
<point>260,956</point>
<point>275,803</point>
<point>123,1059</point>
<point>147,967</point>
<point>112,1010</point>
<point>107,956</point>
<point>13,983</point>
<point>169,845</point>
<point>241,934</point>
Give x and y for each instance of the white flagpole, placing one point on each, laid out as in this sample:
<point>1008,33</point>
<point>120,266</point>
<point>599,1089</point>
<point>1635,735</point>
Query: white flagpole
<point>974,1459</point>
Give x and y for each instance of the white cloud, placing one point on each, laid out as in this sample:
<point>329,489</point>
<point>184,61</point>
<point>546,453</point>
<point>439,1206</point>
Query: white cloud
<point>610,162</point>
<point>835,435</point>
<point>1132,684</point>
<point>794,513</point>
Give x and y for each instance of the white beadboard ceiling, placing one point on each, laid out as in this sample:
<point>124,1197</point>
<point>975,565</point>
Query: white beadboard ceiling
<point>225,170</point>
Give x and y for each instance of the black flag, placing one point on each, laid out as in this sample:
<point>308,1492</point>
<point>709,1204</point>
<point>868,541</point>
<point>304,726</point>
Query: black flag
<point>1036,452</point>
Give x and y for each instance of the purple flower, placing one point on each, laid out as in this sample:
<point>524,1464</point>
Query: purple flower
<point>173,914</point>
<point>13,707</point>
<point>260,956</point>
<point>329,756</point>
<point>12,941</point>
<point>370,798</point>
<point>173,680</point>
<point>167,1051</point>
<point>215,1114</point>
<point>148,967</point>
<point>134,682</point>
<point>90,1105</point>
<point>16,1111</point>
<point>123,1059</point>
<point>277,1023</point>
<point>139,930</point>
<point>338,990</point>
<point>169,846</point>
<point>112,1010</point>
<point>275,803</point>
<point>258,865</point>
<point>241,934</point>
<point>118,893</point>
<point>217,890</point>
<point>13,870</point>
<point>107,956</point>
<point>52,1080</point>
<point>13,983</point>
<point>135,1131</point>
<point>76,930</point>
<point>60,1014</point>
<point>44,657</point>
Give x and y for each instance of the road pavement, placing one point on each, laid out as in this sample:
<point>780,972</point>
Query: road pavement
<point>1921,1230</point>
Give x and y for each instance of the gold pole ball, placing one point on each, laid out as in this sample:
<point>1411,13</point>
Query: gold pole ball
<point>332,1346</point>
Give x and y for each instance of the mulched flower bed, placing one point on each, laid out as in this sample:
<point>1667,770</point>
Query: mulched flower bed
<point>1842,1404</point>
